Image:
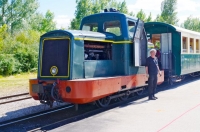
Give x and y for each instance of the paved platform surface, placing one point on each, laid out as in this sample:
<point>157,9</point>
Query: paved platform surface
<point>175,110</point>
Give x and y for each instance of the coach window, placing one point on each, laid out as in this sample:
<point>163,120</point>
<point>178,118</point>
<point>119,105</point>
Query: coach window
<point>191,45</point>
<point>113,27</point>
<point>90,27</point>
<point>184,45</point>
<point>131,28</point>
<point>197,46</point>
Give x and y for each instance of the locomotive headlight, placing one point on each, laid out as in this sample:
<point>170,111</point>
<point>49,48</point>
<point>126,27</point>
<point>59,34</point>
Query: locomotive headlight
<point>54,70</point>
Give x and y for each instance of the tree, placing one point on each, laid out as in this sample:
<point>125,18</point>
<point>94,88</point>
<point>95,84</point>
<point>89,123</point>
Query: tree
<point>88,7</point>
<point>192,24</point>
<point>14,12</point>
<point>159,18</point>
<point>131,14</point>
<point>47,22</point>
<point>149,18</point>
<point>41,23</point>
<point>141,15</point>
<point>168,13</point>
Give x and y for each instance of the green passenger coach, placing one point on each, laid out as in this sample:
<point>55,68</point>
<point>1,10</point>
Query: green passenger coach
<point>180,49</point>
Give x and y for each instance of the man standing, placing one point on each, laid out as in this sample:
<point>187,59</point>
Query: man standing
<point>152,69</point>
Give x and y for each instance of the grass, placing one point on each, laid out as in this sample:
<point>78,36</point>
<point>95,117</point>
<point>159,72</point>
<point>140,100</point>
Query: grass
<point>15,84</point>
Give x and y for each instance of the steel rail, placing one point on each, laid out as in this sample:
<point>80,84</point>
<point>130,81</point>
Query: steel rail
<point>36,115</point>
<point>11,96</point>
<point>99,110</point>
<point>6,102</point>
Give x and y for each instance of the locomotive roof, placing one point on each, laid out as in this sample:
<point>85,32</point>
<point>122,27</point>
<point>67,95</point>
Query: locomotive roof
<point>172,28</point>
<point>109,14</point>
<point>80,34</point>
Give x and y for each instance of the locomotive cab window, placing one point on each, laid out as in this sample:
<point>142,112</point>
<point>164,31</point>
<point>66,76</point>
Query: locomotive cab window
<point>90,27</point>
<point>131,28</point>
<point>97,50</point>
<point>113,27</point>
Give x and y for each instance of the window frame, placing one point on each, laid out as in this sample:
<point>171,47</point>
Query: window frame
<point>131,37</point>
<point>104,29</point>
<point>91,27</point>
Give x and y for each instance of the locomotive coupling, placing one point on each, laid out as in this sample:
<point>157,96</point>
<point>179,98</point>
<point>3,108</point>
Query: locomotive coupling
<point>47,93</point>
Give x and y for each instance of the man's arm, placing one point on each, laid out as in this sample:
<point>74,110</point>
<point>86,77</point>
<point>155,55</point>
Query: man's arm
<point>147,74</point>
<point>159,70</point>
<point>146,67</point>
<point>146,70</point>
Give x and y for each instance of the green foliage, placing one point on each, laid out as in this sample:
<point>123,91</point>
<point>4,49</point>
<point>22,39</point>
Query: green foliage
<point>28,37</point>
<point>88,7</point>
<point>168,13</point>
<point>149,18</point>
<point>141,15</point>
<point>131,14</point>
<point>7,64</point>
<point>14,12</point>
<point>20,29</point>
<point>18,55</point>
<point>42,23</point>
<point>27,59</point>
<point>192,24</point>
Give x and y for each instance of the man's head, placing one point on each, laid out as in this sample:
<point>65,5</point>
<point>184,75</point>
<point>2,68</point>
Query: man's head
<point>153,53</point>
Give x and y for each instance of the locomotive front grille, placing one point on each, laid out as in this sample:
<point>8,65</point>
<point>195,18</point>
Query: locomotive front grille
<point>55,57</point>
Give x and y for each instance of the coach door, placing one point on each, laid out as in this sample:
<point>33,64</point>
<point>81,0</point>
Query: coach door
<point>140,44</point>
<point>166,51</point>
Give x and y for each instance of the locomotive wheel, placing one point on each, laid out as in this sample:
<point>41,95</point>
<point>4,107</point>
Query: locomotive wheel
<point>141,92</point>
<point>124,97</point>
<point>170,82</point>
<point>104,102</point>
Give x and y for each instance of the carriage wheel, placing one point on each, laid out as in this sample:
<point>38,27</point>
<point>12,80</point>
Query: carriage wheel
<point>104,102</point>
<point>124,97</point>
<point>141,92</point>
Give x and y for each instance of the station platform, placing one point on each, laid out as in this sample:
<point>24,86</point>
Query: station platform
<point>176,110</point>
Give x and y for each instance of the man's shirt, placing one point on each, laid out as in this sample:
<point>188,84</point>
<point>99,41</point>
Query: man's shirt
<point>152,64</point>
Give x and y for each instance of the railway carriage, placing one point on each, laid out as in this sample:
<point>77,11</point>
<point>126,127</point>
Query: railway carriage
<point>180,49</point>
<point>104,60</point>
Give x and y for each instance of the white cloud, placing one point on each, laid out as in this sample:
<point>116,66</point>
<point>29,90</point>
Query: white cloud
<point>187,5</point>
<point>185,8</point>
<point>147,6</point>
<point>62,21</point>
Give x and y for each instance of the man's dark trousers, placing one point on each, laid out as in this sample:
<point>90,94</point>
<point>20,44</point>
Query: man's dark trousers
<point>152,82</point>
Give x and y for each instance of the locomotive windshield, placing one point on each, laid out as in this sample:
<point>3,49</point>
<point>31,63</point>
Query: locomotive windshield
<point>90,27</point>
<point>113,27</point>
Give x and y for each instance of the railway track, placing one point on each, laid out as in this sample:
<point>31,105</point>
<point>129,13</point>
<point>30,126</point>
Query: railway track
<point>10,122</point>
<point>14,98</point>
<point>114,105</point>
<point>86,113</point>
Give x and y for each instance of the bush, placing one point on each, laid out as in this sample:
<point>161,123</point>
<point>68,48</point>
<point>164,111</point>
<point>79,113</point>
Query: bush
<point>8,64</point>
<point>18,51</point>
<point>27,60</point>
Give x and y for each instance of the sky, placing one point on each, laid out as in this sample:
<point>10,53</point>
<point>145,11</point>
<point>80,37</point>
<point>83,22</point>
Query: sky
<point>64,9</point>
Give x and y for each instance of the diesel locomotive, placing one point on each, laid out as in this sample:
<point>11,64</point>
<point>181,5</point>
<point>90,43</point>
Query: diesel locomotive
<point>105,59</point>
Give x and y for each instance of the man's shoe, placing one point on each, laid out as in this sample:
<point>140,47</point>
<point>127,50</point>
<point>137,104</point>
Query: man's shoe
<point>152,98</point>
<point>155,97</point>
